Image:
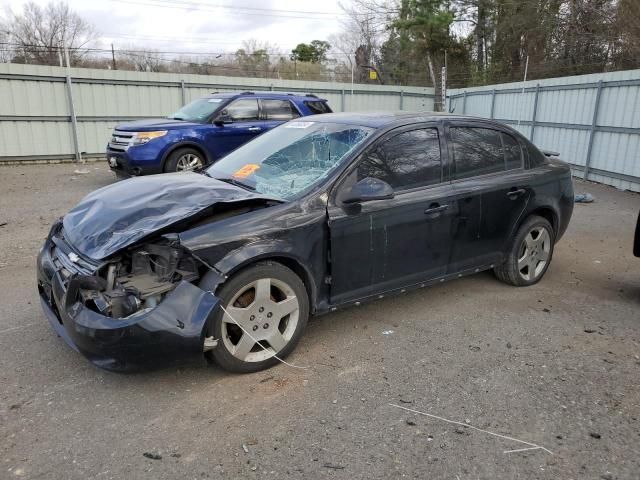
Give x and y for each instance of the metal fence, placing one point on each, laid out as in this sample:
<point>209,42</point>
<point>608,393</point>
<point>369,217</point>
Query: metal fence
<point>593,121</point>
<point>49,113</point>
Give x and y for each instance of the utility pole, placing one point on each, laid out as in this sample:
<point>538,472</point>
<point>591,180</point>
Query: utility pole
<point>526,70</point>
<point>113,58</point>
<point>72,110</point>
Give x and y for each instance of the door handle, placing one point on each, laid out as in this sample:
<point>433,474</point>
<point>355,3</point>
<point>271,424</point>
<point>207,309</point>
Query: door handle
<point>435,208</point>
<point>515,193</point>
<point>254,129</point>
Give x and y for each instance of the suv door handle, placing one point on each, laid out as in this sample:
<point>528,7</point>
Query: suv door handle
<point>254,129</point>
<point>515,193</point>
<point>435,208</point>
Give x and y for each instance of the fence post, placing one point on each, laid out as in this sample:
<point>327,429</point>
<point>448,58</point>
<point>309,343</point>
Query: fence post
<point>342,106</point>
<point>182,93</point>
<point>493,102</point>
<point>535,112</point>
<point>74,120</point>
<point>592,131</point>
<point>464,102</point>
<point>401,99</point>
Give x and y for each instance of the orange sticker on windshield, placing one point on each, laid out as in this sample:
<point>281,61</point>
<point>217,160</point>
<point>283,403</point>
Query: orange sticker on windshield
<point>247,170</point>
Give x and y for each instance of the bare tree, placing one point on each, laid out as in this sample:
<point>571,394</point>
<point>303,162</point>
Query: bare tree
<point>38,34</point>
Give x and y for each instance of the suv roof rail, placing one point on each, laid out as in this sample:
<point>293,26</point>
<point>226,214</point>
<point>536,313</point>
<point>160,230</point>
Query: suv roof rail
<point>247,93</point>
<point>311,95</point>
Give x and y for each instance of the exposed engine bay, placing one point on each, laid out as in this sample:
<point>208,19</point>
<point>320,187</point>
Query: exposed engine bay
<point>137,281</point>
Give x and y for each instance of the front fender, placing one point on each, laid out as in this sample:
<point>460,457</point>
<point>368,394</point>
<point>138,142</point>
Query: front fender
<point>265,249</point>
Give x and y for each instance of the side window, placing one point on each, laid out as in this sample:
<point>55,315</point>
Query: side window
<point>476,151</point>
<point>407,160</point>
<point>243,110</point>
<point>512,152</point>
<point>279,110</point>
<point>318,106</point>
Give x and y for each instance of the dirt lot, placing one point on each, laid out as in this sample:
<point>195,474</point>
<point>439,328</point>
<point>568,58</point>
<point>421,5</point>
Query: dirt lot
<point>556,365</point>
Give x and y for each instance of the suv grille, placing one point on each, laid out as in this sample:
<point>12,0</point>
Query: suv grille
<point>120,140</point>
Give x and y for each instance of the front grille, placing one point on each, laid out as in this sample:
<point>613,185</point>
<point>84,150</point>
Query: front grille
<point>120,140</point>
<point>65,258</point>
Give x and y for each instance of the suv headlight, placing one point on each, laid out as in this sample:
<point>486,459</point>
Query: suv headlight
<point>140,138</point>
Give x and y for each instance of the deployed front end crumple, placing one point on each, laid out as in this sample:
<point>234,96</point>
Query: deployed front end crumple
<point>117,288</point>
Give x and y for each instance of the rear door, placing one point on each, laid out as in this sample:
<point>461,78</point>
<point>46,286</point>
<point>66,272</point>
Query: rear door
<point>385,244</point>
<point>492,190</point>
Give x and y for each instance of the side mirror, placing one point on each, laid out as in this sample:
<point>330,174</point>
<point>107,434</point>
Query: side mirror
<point>223,119</point>
<point>366,190</point>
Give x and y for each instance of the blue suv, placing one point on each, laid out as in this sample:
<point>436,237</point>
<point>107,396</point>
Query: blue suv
<point>203,131</point>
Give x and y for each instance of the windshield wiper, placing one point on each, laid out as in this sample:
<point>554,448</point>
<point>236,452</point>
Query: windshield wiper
<point>237,183</point>
<point>177,118</point>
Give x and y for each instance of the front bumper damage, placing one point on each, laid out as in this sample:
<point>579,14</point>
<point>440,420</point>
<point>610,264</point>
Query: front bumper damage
<point>171,332</point>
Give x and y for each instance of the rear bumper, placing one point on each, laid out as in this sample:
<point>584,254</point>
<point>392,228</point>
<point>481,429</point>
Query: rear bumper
<point>172,332</point>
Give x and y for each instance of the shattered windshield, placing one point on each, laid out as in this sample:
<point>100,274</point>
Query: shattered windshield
<point>198,110</point>
<point>290,158</point>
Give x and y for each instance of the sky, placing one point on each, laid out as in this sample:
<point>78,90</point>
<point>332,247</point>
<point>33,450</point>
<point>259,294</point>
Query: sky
<point>207,26</point>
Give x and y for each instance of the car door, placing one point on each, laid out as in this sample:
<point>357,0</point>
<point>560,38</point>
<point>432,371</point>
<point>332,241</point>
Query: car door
<point>491,188</point>
<point>385,244</point>
<point>242,123</point>
<point>277,111</point>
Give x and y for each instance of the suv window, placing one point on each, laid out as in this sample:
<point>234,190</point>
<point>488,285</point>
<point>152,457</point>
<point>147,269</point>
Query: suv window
<point>244,109</point>
<point>279,110</point>
<point>407,160</point>
<point>477,151</point>
<point>318,106</point>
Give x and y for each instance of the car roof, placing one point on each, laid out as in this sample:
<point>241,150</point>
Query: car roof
<point>386,118</point>
<point>267,93</point>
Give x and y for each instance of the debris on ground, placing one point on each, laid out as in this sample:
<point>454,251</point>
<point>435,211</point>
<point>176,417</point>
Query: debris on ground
<point>81,171</point>
<point>583,198</point>
<point>2,224</point>
<point>387,332</point>
<point>334,467</point>
<point>152,455</point>
<point>595,435</point>
<point>411,423</point>
<point>244,447</point>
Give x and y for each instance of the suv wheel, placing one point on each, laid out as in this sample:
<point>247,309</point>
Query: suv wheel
<point>184,160</point>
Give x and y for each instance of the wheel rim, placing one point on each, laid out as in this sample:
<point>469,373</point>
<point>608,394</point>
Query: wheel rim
<point>188,162</point>
<point>268,311</point>
<point>534,253</point>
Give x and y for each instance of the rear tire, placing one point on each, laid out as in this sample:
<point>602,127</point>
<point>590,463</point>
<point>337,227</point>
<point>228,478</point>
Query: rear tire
<point>184,160</point>
<point>529,254</point>
<point>266,302</point>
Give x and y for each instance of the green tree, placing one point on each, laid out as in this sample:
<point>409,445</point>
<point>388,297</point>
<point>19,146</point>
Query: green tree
<point>314,52</point>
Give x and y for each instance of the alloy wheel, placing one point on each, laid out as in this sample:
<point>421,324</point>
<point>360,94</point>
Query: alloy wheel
<point>188,162</point>
<point>260,320</point>
<point>534,253</point>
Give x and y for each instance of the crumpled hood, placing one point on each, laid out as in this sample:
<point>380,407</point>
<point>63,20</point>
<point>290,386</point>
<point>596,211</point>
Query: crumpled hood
<point>121,214</point>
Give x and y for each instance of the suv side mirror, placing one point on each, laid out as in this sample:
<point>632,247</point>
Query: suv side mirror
<point>366,190</point>
<point>223,118</point>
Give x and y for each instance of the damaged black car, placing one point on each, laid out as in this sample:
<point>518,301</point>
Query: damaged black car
<point>312,216</point>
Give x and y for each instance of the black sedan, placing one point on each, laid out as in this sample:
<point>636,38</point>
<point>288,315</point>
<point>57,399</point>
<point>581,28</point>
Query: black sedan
<point>312,216</point>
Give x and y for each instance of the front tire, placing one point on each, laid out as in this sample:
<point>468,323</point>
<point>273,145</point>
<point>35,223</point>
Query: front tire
<point>184,160</point>
<point>529,255</point>
<point>267,308</point>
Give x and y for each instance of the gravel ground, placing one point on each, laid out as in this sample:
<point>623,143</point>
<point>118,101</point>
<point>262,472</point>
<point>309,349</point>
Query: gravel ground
<point>556,364</point>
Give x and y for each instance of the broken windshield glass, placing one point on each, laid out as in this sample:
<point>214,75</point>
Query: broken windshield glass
<point>291,158</point>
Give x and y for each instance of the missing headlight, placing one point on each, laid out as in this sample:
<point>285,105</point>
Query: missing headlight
<point>140,279</point>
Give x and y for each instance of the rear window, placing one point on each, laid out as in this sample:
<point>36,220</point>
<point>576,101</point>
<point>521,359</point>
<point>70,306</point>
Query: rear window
<point>318,106</point>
